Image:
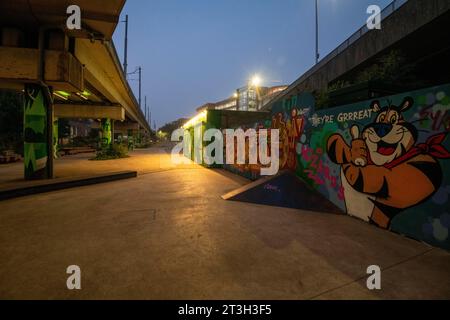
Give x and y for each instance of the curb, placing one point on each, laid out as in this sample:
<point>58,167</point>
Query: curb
<point>65,184</point>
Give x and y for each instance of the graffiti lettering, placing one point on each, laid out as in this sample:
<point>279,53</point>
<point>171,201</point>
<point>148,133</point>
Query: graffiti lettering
<point>440,119</point>
<point>353,116</point>
<point>318,172</point>
<point>272,187</point>
<point>317,120</point>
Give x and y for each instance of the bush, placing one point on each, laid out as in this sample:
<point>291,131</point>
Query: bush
<point>11,121</point>
<point>83,142</point>
<point>114,151</point>
<point>323,97</point>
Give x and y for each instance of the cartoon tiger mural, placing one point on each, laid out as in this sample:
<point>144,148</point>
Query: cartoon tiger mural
<point>384,171</point>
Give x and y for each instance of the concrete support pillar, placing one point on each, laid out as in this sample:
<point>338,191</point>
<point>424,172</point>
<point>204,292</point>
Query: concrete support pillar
<point>38,159</point>
<point>106,133</point>
<point>112,132</point>
<point>130,139</point>
<point>139,136</point>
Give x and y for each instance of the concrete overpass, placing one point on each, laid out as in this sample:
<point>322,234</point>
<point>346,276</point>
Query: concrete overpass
<point>65,73</point>
<point>418,27</point>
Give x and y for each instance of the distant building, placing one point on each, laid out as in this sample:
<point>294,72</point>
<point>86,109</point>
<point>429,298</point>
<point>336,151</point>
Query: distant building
<point>227,104</point>
<point>206,106</point>
<point>248,98</point>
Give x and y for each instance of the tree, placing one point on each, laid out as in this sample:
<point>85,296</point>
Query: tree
<point>391,68</point>
<point>168,128</point>
<point>11,121</point>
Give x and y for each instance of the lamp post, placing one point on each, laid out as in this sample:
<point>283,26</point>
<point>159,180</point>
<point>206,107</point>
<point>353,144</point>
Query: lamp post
<point>138,70</point>
<point>317,31</point>
<point>125,53</point>
<point>140,86</point>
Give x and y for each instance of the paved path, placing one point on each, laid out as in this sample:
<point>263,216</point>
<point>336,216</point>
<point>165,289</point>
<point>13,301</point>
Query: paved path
<point>169,235</point>
<point>141,160</point>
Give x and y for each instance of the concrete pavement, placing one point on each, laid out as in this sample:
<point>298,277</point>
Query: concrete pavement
<point>169,235</point>
<point>141,160</point>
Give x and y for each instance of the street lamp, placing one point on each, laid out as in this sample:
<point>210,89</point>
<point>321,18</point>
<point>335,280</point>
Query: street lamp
<point>125,50</point>
<point>255,81</point>
<point>317,32</point>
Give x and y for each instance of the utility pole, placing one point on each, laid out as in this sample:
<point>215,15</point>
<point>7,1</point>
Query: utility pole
<point>317,32</point>
<point>125,54</point>
<point>145,108</point>
<point>140,86</point>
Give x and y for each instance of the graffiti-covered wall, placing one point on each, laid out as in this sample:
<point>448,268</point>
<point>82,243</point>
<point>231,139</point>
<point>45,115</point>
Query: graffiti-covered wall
<point>247,170</point>
<point>386,162</point>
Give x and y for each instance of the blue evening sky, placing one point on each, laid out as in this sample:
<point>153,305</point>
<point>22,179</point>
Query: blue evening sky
<point>198,51</point>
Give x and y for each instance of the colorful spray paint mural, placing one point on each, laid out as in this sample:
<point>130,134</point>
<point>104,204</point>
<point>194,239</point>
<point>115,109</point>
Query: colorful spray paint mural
<point>290,116</point>
<point>248,170</point>
<point>35,133</point>
<point>386,162</point>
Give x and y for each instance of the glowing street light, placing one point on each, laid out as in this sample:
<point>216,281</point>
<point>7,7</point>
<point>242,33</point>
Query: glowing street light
<point>256,81</point>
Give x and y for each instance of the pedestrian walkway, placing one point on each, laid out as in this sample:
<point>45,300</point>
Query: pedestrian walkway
<point>140,160</point>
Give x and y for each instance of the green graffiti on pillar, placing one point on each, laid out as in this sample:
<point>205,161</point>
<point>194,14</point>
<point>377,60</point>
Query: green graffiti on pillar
<point>106,133</point>
<point>35,133</point>
<point>130,140</point>
<point>55,138</point>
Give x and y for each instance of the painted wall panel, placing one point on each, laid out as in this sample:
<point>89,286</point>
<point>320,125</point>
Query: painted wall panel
<point>385,162</point>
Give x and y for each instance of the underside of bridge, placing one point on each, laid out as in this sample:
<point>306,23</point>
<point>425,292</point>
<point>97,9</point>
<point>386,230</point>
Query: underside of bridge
<point>65,73</point>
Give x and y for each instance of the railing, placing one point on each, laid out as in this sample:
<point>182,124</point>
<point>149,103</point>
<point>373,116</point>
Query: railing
<point>363,30</point>
<point>386,12</point>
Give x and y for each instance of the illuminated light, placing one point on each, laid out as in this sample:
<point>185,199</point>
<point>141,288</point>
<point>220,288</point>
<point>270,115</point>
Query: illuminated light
<point>59,95</point>
<point>256,81</point>
<point>63,93</point>
<point>201,117</point>
<point>82,96</point>
<point>86,93</point>
<point>235,95</point>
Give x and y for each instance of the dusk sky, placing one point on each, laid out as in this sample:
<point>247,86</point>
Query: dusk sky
<point>198,51</point>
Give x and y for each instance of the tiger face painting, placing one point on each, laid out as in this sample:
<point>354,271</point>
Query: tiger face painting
<point>384,170</point>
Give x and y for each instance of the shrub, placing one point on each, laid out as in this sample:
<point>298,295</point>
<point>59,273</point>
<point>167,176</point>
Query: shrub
<point>114,151</point>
